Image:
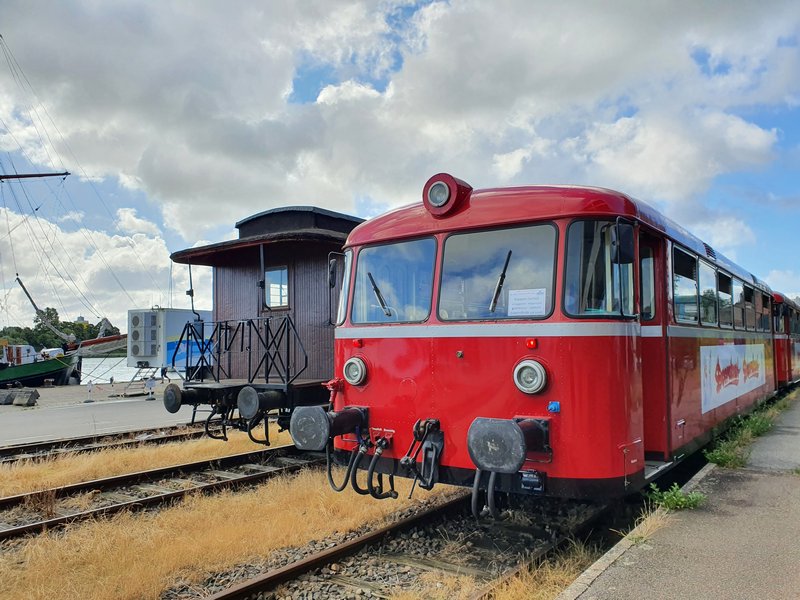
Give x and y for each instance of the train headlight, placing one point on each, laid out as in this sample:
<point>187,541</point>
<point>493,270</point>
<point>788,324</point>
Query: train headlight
<point>438,194</point>
<point>355,371</point>
<point>530,377</point>
<point>443,194</point>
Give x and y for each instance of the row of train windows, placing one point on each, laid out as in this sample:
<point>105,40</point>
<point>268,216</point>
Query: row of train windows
<point>703,294</point>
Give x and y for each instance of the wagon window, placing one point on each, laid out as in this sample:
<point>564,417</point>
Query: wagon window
<point>276,287</point>
<point>708,294</point>
<point>777,313</point>
<point>725,300</point>
<point>749,308</point>
<point>684,282</point>
<point>647,271</point>
<point>595,282</point>
<point>762,311</point>
<point>499,274</point>
<point>766,311</point>
<point>345,291</point>
<point>738,304</point>
<point>393,282</point>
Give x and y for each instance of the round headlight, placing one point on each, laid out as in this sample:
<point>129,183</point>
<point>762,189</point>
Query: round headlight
<point>439,194</point>
<point>355,371</point>
<point>530,377</point>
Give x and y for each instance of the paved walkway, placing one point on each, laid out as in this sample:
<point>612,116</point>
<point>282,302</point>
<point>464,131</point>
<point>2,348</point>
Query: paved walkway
<point>743,543</point>
<point>61,413</point>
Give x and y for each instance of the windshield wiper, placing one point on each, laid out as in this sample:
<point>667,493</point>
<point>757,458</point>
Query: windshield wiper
<point>499,285</point>
<point>379,296</point>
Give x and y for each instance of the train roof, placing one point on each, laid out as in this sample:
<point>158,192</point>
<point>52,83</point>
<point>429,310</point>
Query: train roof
<point>287,224</point>
<point>505,206</point>
<point>784,299</point>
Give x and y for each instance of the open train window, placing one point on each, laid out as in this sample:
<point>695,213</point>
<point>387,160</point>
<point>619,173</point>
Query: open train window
<point>777,317</point>
<point>738,304</point>
<point>598,280</point>
<point>684,286</point>
<point>725,293</point>
<point>708,294</point>
<point>749,308</point>
<point>762,311</point>
<point>648,282</point>
<point>499,274</point>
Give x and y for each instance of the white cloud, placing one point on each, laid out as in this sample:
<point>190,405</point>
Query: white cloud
<point>786,282</point>
<point>128,222</point>
<point>88,273</point>
<point>724,233</point>
<point>75,216</point>
<point>188,103</point>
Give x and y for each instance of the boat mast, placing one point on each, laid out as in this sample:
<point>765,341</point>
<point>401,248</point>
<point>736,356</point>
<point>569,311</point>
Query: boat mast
<point>69,338</point>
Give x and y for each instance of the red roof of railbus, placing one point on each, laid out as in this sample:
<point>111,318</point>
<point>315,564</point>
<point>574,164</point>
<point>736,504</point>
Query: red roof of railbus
<point>505,206</point>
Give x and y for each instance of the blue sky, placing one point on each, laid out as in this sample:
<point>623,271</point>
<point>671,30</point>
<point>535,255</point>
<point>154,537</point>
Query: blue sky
<point>178,119</point>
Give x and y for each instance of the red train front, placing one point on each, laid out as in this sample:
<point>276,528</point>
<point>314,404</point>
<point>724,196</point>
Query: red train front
<point>503,338</point>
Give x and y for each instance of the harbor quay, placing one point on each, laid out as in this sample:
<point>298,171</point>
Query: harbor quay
<point>63,412</point>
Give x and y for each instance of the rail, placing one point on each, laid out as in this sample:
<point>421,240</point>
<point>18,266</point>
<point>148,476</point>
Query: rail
<point>270,347</point>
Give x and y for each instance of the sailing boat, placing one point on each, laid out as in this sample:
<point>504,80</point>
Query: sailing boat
<point>21,365</point>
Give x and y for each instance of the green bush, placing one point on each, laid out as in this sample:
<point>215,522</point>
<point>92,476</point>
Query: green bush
<point>729,453</point>
<point>675,498</point>
<point>758,424</point>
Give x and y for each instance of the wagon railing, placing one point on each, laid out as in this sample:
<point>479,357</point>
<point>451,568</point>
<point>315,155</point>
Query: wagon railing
<point>269,349</point>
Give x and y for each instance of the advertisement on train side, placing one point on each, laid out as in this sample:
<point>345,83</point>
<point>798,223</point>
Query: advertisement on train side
<point>729,372</point>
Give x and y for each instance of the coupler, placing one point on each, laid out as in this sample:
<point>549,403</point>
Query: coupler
<point>501,446</point>
<point>312,427</point>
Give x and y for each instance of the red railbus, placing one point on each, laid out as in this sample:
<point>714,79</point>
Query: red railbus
<point>559,340</point>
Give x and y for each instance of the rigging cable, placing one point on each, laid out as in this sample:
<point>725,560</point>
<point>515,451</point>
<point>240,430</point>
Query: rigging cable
<point>19,76</point>
<point>62,271</point>
<point>65,269</point>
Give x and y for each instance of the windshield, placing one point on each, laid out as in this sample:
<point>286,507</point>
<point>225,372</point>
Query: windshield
<point>393,282</point>
<point>498,274</point>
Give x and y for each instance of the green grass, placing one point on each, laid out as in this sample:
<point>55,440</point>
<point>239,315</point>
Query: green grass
<point>732,449</point>
<point>674,498</point>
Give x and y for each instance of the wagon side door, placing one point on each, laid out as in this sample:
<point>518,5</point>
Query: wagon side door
<point>652,268</point>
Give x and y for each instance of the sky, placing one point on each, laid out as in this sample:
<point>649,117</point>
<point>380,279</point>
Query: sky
<point>179,118</point>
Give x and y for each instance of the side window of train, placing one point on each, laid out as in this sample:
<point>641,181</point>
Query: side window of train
<point>762,311</point>
<point>684,286</point>
<point>738,304</point>
<point>777,314</point>
<point>598,280</point>
<point>648,282</point>
<point>749,308</point>
<point>708,294</point>
<point>725,292</point>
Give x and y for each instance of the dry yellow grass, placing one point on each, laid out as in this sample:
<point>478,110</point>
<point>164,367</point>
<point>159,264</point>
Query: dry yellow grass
<point>549,579</point>
<point>136,556</point>
<point>651,520</point>
<point>441,586</point>
<point>32,475</point>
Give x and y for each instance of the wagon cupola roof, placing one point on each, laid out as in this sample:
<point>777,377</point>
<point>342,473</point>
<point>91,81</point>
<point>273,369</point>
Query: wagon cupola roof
<point>277,225</point>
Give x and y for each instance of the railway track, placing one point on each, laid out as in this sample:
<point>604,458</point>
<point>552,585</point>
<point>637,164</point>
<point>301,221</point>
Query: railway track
<point>417,553</point>
<point>38,450</point>
<point>35,512</point>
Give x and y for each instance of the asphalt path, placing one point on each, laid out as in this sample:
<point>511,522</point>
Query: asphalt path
<point>76,420</point>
